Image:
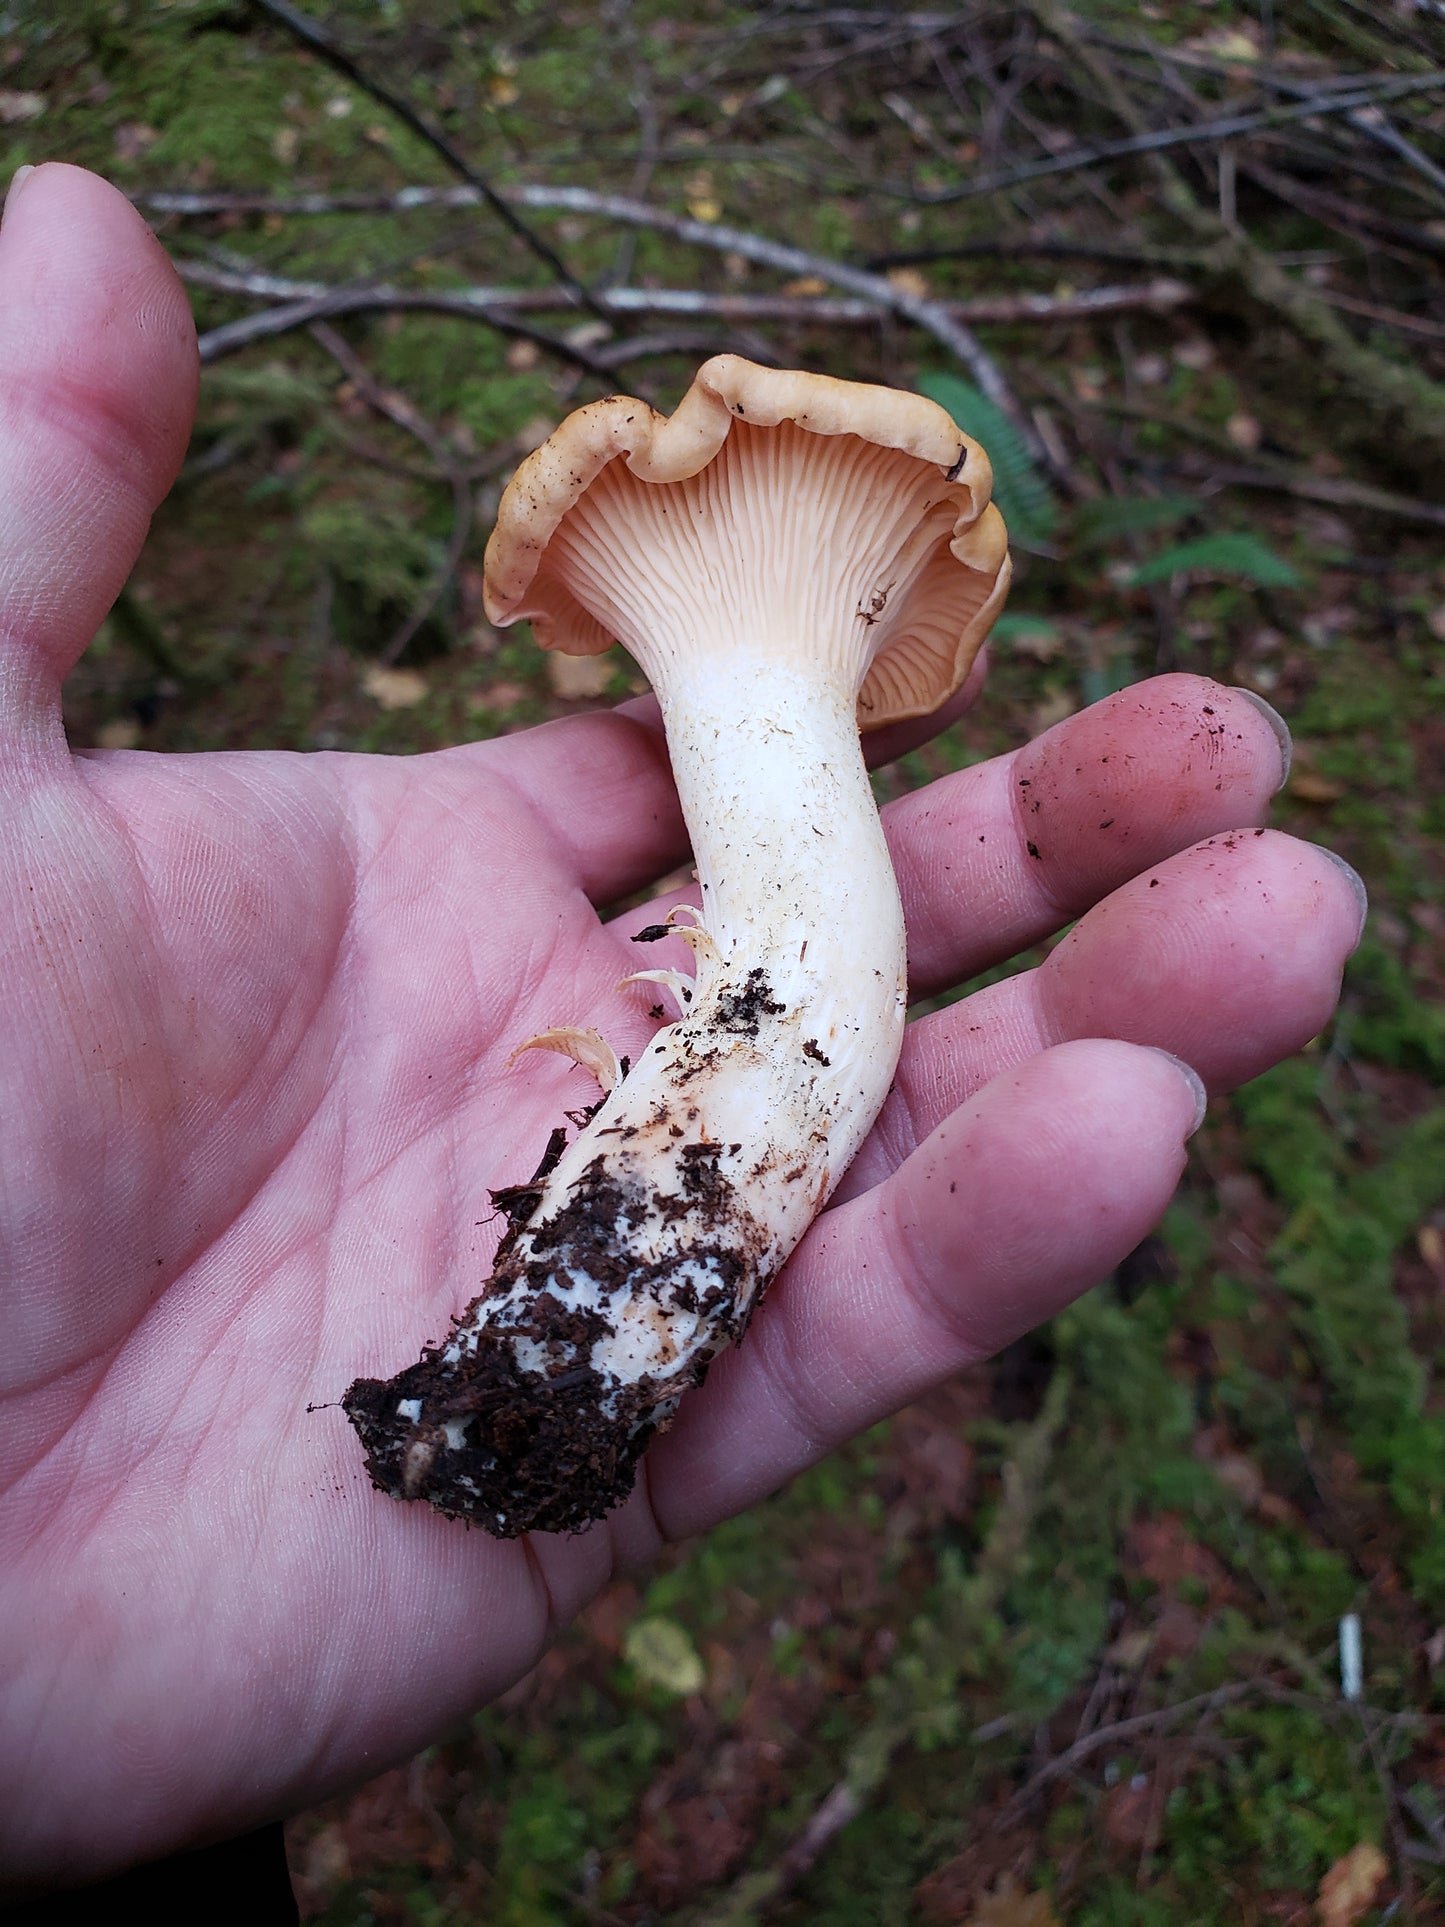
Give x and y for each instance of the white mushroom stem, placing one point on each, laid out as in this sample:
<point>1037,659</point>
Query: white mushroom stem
<point>649,1242</point>
<point>775,1074</point>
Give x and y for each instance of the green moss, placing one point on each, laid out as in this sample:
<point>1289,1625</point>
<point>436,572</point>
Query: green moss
<point>1289,1797</point>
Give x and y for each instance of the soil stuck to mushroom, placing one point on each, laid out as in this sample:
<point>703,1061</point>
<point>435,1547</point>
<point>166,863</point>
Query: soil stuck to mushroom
<point>552,1445</point>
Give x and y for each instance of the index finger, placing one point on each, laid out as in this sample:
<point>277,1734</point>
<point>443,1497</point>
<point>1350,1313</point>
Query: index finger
<point>998,856</point>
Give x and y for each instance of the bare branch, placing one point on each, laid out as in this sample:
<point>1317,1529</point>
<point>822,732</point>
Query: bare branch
<point>1411,403</point>
<point>932,316</point>
<point>313,36</point>
<point>497,306</point>
<point>316,302</point>
<point>1229,127</point>
<point>1338,490</point>
<point>1118,1731</point>
<point>1368,120</point>
<point>1354,218</point>
<point>396,408</point>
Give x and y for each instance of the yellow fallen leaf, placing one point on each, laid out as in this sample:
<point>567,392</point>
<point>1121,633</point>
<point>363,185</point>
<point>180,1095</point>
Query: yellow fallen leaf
<point>395,688</point>
<point>806,284</point>
<point>1053,709</point>
<point>703,203</point>
<point>1348,1890</point>
<point>1041,644</point>
<point>660,1651</point>
<point>909,281</point>
<point>1010,1906</point>
<point>502,90</point>
<point>1226,43</point>
<point>1310,787</point>
<point>579,678</point>
<point>497,696</point>
<point>1131,1650</point>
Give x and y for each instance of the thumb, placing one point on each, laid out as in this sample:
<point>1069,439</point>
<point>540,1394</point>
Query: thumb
<point>98,376</point>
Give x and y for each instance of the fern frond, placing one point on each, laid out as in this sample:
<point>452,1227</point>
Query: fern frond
<point>1237,554</point>
<point>1024,497</point>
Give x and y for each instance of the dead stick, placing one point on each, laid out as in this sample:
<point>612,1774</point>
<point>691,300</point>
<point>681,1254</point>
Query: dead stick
<point>932,316</point>
<point>313,36</point>
<point>396,408</point>
<point>1115,1734</point>
<point>288,316</point>
<point>1159,296</point>
<point>1158,140</point>
<point>1409,403</point>
<point>941,1651</point>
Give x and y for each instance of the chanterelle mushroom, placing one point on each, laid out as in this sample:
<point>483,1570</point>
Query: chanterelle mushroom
<point>786,556</point>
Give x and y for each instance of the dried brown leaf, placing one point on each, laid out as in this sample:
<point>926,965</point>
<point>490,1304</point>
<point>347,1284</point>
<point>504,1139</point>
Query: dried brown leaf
<point>1348,1890</point>
<point>1010,1905</point>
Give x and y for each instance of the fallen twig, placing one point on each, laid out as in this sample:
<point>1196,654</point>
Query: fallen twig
<point>1158,140</point>
<point>1386,317</point>
<point>1282,478</point>
<point>1367,120</point>
<point>396,408</point>
<point>934,317</point>
<point>1056,248</point>
<point>1337,491</point>
<point>290,315</point>
<point>1410,403</point>
<point>940,1650</point>
<point>495,305</point>
<point>1116,1733</point>
<point>1361,222</point>
<point>313,36</point>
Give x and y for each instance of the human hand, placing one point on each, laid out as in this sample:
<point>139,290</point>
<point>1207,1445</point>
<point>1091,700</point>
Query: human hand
<point>257,1014</point>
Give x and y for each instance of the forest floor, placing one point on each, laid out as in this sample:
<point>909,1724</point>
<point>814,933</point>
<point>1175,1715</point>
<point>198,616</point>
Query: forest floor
<point>1060,1643</point>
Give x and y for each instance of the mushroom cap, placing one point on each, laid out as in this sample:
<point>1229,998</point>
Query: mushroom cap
<point>933,630</point>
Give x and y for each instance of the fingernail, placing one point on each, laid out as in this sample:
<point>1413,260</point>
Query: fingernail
<point>1356,883</point>
<point>1281,731</point>
<point>1195,1083</point>
<point>17,181</point>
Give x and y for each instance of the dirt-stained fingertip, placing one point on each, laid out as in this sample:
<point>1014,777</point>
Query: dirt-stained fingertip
<point>1357,887</point>
<point>1277,723</point>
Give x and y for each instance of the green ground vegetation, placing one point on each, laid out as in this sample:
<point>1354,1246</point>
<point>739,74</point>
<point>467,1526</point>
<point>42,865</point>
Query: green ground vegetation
<point>1065,1634</point>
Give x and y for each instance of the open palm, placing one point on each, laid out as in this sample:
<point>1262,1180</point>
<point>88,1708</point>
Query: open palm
<point>256,1013</point>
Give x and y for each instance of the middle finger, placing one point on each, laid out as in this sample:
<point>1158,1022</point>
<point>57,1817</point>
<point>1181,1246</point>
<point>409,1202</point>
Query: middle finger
<point>1227,955</point>
<point>998,856</point>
